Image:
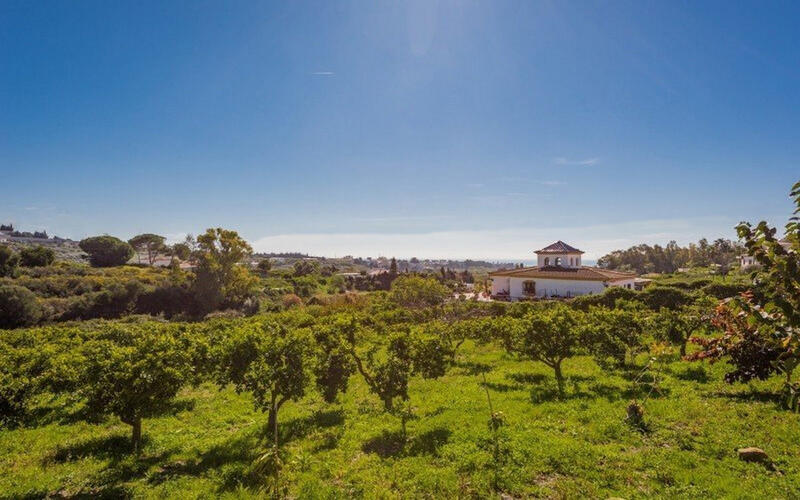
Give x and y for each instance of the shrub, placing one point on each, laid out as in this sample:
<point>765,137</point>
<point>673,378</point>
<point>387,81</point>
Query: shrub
<point>724,290</point>
<point>657,297</point>
<point>37,256</point>
<point>106,251</point>
<point>608,298</point>
<point>416,292</point>
<point>9,261</point>
<point>291,300</point>
<point>18,307</point>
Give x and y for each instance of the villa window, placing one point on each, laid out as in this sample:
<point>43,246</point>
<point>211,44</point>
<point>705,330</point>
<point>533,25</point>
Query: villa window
<point>558,261</point>
<point>529,287</point>
<point>547,261</point>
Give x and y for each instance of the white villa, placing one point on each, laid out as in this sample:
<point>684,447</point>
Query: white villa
<point>558,273</point>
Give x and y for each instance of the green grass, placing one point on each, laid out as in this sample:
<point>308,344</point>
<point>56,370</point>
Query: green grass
<point>579,446</point>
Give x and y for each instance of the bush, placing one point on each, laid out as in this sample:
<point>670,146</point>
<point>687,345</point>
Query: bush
<point>37,256</point>
<point>608,298</point>
<point>724,290</point>
<point>8,262</point>
<point>416,292</point>
<point>291,300</point>
<point>18,307</point>
<point>656,297</point>
<point>106,251</point>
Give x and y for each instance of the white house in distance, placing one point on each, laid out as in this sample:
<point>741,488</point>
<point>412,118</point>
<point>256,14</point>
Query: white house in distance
<point>558,273</point>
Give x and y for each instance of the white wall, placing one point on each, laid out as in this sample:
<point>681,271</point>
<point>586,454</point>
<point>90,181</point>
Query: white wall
<point>565,259</point>
<point>564,288</point>
<point>499,284</point>
<point>550,287</point>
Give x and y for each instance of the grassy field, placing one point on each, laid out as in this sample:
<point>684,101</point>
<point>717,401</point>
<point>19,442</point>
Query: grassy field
<point>580,446</point>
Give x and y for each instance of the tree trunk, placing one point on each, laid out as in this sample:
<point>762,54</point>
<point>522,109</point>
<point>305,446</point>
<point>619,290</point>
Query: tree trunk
<point>683,349</point>
<point>272,423</point>
<point>559,378</point>
<point>136,435</point>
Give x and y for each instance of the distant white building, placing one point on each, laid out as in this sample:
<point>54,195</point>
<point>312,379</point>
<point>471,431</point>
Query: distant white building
<point>558,273</point>
<point>746,261</point>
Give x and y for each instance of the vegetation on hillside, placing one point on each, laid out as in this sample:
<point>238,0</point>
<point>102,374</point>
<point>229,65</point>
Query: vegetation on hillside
<point>243,380</point>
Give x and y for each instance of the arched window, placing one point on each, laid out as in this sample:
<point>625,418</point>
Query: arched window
<point>558,261</point>
<point>547,261</point>
<point>571,261</point>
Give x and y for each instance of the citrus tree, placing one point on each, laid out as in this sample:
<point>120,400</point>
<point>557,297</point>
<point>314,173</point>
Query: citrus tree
<point>133,371</point>
<point>549,336</point>
<point>676,326</point>
<point>391,357</point>
<point>614,335</point>
<point>269,360</point>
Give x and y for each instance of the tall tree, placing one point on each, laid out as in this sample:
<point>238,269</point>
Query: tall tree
<point>106,251</point>
<point>220,279</point>
<point>150,244</point>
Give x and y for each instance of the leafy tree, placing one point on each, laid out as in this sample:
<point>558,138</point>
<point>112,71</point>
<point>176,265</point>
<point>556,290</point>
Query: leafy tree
<point>151,244</point>
<point>676,326</point>
<point>668,259</point>
<point>18,307</point>
<point>333,363</point>
<point>134,371</point>
<point>221,282</point>
<point>752,352</point>
<point>37,256</point>
<point>549,336</point>
<point>305,268</point>
<point>106,251</point>
<point>9,260</point>
<point>34,361</point>
<point>269,360</point>
<point>264,266</point>
<point>181,251</point>
<point>614,334</point>
<point>759,329</point>
<point>416,292</point>
<point>388,368</point>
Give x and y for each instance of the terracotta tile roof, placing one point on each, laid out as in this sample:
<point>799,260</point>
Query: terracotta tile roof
<point>565,273</point>
<point>559,247</point>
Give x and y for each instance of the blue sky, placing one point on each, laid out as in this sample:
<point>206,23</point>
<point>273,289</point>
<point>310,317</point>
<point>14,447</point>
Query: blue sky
<point>452,129</point>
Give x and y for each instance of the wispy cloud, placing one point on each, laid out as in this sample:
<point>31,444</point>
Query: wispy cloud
<point>552,183</point>
<point>586,163</point>
<point>403,218</point>
<point>323,73</point>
